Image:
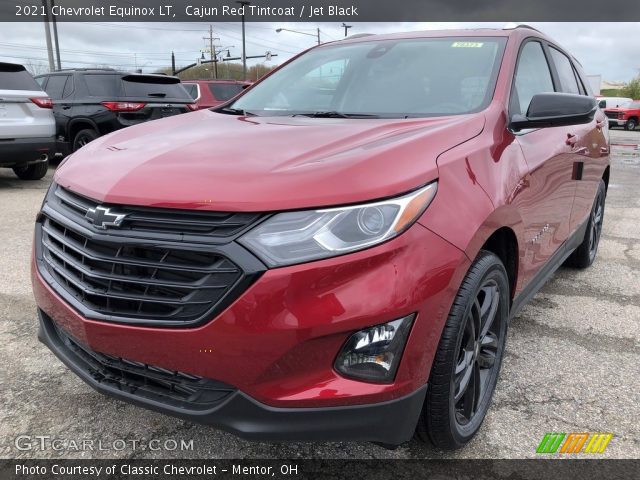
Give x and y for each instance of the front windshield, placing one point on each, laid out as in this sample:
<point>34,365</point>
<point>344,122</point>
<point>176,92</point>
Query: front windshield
<point>392,78</point>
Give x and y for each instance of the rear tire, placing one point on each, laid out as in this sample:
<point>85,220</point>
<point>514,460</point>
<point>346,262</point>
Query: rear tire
<point>631,124</point>
<point>585,254</point>
<point>84,137</point>
<point>35,171</point>
<point>466,365</point>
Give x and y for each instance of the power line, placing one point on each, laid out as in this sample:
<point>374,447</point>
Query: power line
<point>90,52</point>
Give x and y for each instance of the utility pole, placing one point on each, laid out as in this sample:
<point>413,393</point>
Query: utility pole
<point>47,32</point>
<point>346,28</point>
<point>173,63</point>
<point>243,3</point>
<point>55,35</point>
<point>212,51</point>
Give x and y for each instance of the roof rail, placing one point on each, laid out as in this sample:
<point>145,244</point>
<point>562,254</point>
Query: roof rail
<point>510,26</point>
<point>358,35</point>
<point>88,69</point>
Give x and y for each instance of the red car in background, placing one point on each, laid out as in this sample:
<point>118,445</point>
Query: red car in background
<point>626,115</point>
<point>211,93</point>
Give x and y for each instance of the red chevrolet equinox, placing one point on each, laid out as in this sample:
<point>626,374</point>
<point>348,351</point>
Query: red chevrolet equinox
<point>336,253</point>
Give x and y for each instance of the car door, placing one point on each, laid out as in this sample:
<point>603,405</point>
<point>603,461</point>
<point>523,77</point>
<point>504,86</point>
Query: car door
<point>589,145</point>
<point>546,201</point>
<point>56,88</point>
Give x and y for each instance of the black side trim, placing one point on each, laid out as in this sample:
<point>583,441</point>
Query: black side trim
<point>392,422</point>
<point>578,169</point>
<point>556,260</point>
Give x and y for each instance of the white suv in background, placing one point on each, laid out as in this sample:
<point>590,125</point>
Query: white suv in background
<point>27,125</point>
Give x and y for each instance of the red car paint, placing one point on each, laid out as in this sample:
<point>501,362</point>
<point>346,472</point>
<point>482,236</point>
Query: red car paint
<point>211,93</point>
<point>278,341</point>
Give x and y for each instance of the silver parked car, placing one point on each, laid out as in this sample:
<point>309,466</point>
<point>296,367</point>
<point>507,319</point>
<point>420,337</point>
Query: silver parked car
<point>27,125</point>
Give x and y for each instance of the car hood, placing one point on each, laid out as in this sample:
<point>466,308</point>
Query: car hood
<point>212,161</point>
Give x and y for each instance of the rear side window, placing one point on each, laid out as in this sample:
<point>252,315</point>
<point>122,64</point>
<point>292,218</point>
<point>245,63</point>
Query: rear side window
<point>568,82</point>
<point>532,77</point>
<point>55,86</point>
<point>68,87</point>
<point>192,89</point>
<point>102,85</point>
<point>15,77</point>
<point>225,91</point>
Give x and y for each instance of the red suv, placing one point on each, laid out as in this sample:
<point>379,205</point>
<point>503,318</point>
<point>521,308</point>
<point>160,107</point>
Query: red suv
<point>211,93</point>
<point>626,115</point>
<point>345,263</point>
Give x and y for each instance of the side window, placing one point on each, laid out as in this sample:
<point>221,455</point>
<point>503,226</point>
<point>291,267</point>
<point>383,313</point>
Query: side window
<point>68,87</point>
<point>55,86</point>
<point>532,76</point>
<point>41,81</point>
<point>568,82</point>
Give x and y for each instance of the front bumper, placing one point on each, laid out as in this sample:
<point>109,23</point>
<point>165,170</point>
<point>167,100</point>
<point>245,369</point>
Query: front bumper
<point>392,422</point>
<point>276,344</point>
<point>23,151</point>
<point>613,122</point>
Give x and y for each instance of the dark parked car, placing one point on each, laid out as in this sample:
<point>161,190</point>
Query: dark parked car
<point>89,103</point>
<point>329,256</point>
<point>211,93</point>
<point>27,126</point>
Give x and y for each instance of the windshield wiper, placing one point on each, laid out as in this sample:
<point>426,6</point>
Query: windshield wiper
<point>334,114</point>
<point>161,95</point>
<point>236,111</point>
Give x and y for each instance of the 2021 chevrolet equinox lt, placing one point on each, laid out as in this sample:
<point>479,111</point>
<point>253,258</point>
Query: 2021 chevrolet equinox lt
<point>337,252</point>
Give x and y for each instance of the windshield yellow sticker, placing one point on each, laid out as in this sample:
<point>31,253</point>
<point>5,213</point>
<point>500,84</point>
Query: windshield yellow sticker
<point>467,44</point>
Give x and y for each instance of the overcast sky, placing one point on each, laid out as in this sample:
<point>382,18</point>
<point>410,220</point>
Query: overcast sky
<point>609,49</point>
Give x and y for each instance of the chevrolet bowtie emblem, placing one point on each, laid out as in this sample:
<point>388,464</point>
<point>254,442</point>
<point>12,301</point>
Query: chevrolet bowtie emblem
<point>102,217</point>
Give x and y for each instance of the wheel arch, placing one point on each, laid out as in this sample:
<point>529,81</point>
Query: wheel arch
<point>78,124</point>
<point>502,233</point>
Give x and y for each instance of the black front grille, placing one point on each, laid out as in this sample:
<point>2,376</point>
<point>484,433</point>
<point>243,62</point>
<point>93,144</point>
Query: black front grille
<point>611,114</point>
<point>114,276</point>
<point>169,387</point>
<point>160,222</point>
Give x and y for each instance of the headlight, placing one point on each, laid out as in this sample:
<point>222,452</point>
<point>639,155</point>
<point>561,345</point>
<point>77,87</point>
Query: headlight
<point>296,237</point>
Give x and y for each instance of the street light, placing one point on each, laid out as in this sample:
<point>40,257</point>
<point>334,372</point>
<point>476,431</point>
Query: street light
<point>317,34</point>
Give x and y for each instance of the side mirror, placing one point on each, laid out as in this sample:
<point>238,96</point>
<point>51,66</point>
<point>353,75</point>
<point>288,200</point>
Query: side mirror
<point>556,110</point>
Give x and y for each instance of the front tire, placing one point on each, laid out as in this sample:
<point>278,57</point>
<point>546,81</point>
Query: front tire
<point>466,365</point>
<point>35,171</point>
<point>631,124</point>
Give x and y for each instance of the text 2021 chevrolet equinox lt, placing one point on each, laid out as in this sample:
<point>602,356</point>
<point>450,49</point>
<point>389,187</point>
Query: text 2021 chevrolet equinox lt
<point>337,252</point>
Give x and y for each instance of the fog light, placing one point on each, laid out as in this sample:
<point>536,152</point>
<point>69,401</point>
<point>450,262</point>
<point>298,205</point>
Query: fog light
<point>374,354</point>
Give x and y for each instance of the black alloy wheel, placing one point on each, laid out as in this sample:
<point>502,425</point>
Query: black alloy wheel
<point>477,355</point>
<point>465,369</point>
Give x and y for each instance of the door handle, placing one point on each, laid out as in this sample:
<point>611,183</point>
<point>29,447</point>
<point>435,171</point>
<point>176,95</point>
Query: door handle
<point>571,139</point>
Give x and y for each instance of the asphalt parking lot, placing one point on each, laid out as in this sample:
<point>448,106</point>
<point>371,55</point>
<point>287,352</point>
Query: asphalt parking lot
<point>572,361</point>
